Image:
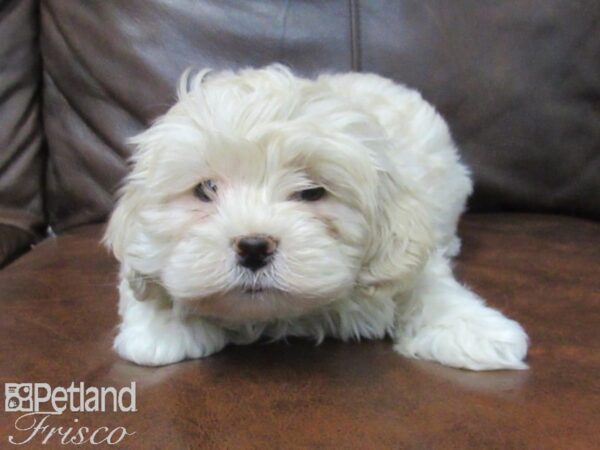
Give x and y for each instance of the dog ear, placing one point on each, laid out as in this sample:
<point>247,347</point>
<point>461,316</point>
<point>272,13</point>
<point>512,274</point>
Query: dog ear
<point>115,239</point>
<point>120,225</point>
<point>401,238</point>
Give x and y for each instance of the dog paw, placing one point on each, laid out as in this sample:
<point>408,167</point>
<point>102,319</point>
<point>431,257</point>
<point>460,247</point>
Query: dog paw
<point>167,343</point>
<point>486,341</point>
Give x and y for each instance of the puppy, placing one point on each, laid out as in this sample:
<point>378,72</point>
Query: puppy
<point>264,204</point>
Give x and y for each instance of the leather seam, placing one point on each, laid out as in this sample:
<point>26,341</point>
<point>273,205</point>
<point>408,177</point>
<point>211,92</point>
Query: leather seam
<point>355,47</point>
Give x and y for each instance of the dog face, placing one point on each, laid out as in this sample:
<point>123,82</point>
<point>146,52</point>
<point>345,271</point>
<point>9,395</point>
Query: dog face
<point>262,196</point>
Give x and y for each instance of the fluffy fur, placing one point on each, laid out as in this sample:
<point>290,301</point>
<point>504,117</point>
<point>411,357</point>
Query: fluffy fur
<point>371,258</point>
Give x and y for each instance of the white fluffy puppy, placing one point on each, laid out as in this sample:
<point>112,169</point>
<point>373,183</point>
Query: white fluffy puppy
<point>264,204</point>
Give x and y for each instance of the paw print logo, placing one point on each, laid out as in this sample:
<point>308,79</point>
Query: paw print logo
<point>18,397</point>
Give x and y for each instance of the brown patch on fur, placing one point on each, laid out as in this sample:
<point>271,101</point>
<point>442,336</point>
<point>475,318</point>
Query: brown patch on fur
<point>332,229</point>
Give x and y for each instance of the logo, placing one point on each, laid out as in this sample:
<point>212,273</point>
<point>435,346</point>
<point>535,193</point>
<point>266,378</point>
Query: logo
<point>18,397</point>
<point>39,403</point>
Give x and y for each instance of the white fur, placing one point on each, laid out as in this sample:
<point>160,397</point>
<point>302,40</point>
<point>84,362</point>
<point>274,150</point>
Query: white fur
<point>370,259</point>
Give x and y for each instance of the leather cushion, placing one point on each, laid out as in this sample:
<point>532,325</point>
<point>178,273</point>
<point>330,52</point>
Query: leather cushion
<point>13,241</point>
<point>519,84</point>
<point>21,157</point>
<point>58,317</point>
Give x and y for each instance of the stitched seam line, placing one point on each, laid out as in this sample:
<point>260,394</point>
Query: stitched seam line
<point>355,35</point>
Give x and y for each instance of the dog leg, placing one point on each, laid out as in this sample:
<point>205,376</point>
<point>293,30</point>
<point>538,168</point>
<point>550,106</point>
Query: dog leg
<point>154,334</point>
<point>441,320</point>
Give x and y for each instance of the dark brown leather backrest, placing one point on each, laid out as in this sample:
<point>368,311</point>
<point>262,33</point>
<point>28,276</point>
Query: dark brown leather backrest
<point>519,82</point>
<point>516,80</point>
<point>21,159</point>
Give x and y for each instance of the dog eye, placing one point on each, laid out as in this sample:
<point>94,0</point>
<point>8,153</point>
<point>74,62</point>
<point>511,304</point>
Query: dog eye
<point>311,195</point>
<point>205,191</point>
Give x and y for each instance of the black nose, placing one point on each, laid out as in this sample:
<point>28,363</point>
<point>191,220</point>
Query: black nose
<point>255,251</point>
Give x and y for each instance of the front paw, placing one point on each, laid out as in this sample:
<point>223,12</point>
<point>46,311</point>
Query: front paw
<point>157,344</point>
<point>483,341</point>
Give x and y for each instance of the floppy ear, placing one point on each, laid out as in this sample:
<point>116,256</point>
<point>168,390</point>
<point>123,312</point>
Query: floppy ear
<point>121,223</point>
<point>401,238</point>
<point>115,238</point>
<point>121,227</point>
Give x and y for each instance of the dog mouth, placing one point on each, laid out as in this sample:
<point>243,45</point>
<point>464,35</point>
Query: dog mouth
<point>253,290</point>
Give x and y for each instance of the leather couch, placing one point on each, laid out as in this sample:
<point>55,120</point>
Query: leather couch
<point>517,81</point>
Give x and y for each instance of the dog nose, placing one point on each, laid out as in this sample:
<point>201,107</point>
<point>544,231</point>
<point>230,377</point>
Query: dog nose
<point>254,251</point>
